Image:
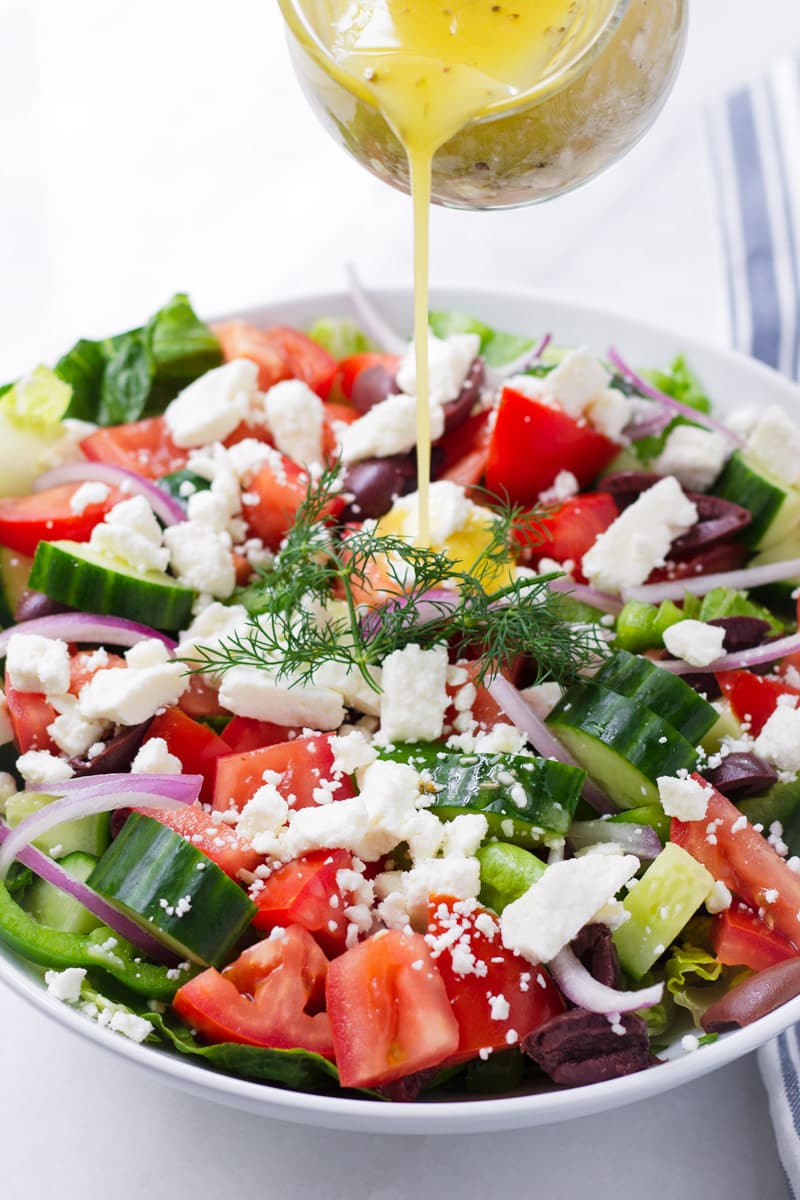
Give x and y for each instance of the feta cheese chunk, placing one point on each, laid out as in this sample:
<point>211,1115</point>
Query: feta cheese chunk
<point>449,511</point>
<point>251,692</point>
<point>449,360</point>
<point>37,664</point>
<point>212,406</point>
<point>774,444</point>
<point>154,758</point>
<point>694,456</point>
<point>566,897</point>
<point>685,799</point>
<point>262,818</point>
<point>388,428</point>
<point>295,417</point>
<point>92,492</point>
<point>696,642</point>
<point>575,382</point>
<point>351,752</point>
<point>41,769</point>
<point>73,733</point>
<point>414,698</point>
<point>779,740</point>
<point>131,533</point>
<point>65,985</point>
<point>640,538</point>
<point>129,695</point>
<point>201,558</point>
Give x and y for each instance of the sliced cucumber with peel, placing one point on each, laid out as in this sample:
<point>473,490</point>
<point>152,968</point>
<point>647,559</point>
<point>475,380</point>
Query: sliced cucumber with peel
<point>83,835</point>
<point>660,691</point>
<point>58,910</point>
<point>15,568</point>
<point>775,505</point>
<point>75,574</point>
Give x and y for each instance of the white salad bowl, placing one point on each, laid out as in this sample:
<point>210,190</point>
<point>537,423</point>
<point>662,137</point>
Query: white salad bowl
<point>732,380</point>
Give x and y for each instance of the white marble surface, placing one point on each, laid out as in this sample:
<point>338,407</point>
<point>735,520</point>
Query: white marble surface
<point>165,145</point>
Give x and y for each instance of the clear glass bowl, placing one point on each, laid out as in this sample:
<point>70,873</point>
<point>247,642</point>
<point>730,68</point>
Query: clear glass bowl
<point>533,147</point>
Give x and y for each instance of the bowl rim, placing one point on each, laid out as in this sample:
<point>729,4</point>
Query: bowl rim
<point>440,1116</point>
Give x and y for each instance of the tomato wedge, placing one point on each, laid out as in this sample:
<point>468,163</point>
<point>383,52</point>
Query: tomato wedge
<point>466,450</point>
<point>215,839</point>
<point>84,665</point>
<point>281,487</point>
<point>752,697</point>
<point>496,996</point>
<point>568,533</point>
<point>246,733</point>
<point>728,846</point>
<point>740,938</point>
<point>46,516</point>
<point>389,1011</point>
<point>532,441</point>
<point>303,764</point>
<point>30,714</point>
<point>271,996</point>
<point>141,446</point>
<point>305,893</point>
<point>280,352</point>
<point>197,746</point>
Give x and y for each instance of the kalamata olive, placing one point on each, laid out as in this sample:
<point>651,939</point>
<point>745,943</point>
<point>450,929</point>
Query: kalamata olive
<point>741,632</point>
<point>723,556</point>
<point>376,483</point>
<point>717,521</point>
<point>579,1047</point>
<point>457,411</point>
<point>627,486</point>
<point>35,604</point>
<point>741,775</point>
<point>756,996</point>
<point>118,754</point>
<point>595,948</point>
<point>372,385</point>
<point>704,682</point>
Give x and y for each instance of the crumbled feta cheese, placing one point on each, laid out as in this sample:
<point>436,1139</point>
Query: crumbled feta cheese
<point>150,652</point>
<point>211,626</point>
<point>351,686</point>
<point>246,457</point>
<point>566,897</point>
<point>264,814</point>
<point>73,733</point>
<point>774,444</point>
<point>576,381</point>
<point>212,406</point>
<point>129,695</point>
<point>719,898</point>
<point>779,740</point>
<point>406,894</point>
<point>696,642</point>
<point>40,768</point>
<point>92,492</point>
<point>130,1026</point>
<point>351,752</point>
<point>609,412</point>
<point>295,418</point>
<point>563,486</point>
<point>414,698</point>
<point>501,739</point>
<point>450,510</point>
<point>685,799</point>
<point>201,558</point>
<point>388,428</point>
<point>38,664</point>
<point>690,1042</point>
<point>464,834</point>
<point>65,985</point>
<point>131,533</point>
<point>543,697</point>
<point>154,758</point>
<point>694,456</point>
<point>640,538</point>
<point>449,361</point>
<point>251,692</point>
<point>499,1008</point>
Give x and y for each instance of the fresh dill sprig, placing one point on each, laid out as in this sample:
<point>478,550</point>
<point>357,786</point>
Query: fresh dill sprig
<point>305,606</point>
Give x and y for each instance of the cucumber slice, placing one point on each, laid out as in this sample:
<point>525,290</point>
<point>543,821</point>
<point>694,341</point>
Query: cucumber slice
<point>507,872</point>
<point>170,888</point>
<point>775,505</point>
<point>659,690</point>
<point>652,815</point>
<point>74,574</point>
<point>526,800</point>
<point>15,568</point>
<point>84,835</point>
<point>668,894</point>
<point>56,909</point>
<point>623,745</point>
<point>727,724</point>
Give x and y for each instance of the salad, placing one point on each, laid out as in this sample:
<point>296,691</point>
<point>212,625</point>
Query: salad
<point>288,792</point>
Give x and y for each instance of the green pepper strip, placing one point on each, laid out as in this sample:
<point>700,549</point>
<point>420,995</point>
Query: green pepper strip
<point>53,948</point>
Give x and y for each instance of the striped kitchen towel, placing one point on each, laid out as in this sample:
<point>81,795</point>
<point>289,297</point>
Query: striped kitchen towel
<point>754,136</point>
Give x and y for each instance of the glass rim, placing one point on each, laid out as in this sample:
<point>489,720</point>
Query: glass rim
<point>557,79</point>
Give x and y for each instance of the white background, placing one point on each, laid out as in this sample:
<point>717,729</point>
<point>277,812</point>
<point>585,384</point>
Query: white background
<point>164,145</point>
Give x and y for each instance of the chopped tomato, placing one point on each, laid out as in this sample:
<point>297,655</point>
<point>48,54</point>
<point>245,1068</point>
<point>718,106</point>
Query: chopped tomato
<point>348,370</point>
<point>201,700</point>
<point>491,971</point>
<point>270,996</point>
<point>305,892</point>
<point>389,1011</point>
<point>532,441</point>
<point>30,714</point>
<point>241,339</point>
<point>303,764</point>
<point>214,838</point>
<point>740,938</point>
<point>333,415</point>
<point>245,733</point>
<point>752,697</point>
<point>305,358</point>
<point>466,450</point>
<point>568,533</point>
<point>84,665</point>
<point>728,846</point>
<point>141,446</point>
<point>47,516</point>
<point>197,746</point>
<point>281,489</point>
<point>484,709</point>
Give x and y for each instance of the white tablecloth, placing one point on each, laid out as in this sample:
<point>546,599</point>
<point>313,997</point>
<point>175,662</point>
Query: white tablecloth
<point>163,146</point>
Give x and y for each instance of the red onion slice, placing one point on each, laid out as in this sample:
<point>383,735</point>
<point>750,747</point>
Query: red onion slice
<point>587,992</point>
<point>89,801</point>
<point>167,509</point>
<point>375,324</point>
<point>183,788</point>
<point>520,713</point>
<point>86,627</point>
<point>670,402</point>
<point>46,868</point>
<point>742,659</point>
<point>588,595</point>
<point>699,585</point>
<point>641,840</point>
